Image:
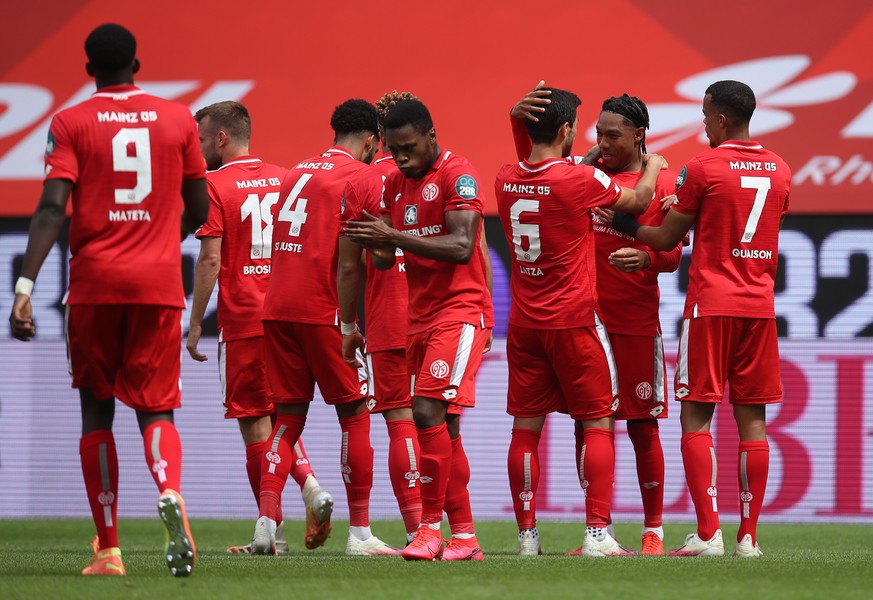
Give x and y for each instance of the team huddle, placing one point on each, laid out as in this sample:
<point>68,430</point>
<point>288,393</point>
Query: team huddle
<point>388,213</point>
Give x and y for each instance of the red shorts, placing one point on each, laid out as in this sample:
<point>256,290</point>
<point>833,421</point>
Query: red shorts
<point>388,382</point>
<point>299,355</point>
<point>744,352</point>
<point>243,376</point>
<point>642,376</point>
<point>127,351</point>
<point>442,362</point>
<point>565,370</point>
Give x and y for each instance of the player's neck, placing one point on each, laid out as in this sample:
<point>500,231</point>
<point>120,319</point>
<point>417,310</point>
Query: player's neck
<point>541,152</point>
<point>635,165</point>
<point>231,154</point>
<point>740,134</point>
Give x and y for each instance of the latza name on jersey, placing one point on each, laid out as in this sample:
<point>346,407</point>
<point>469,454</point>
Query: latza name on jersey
<point>532,271</point>
<point>111,116</point>
<point>129,215</point>
<point>752,165</point>
<point>256,183</point>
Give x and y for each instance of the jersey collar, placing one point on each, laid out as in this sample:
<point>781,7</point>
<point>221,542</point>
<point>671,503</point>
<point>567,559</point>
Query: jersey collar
<point>542,165</point>
<point>337,150</point>
<point>114,91</point>
<point>750,145</point>
<point>240,160</point>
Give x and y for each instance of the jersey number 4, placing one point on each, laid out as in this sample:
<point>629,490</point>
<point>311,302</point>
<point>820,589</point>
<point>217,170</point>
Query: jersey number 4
<point>761,185</point>
<point>297,216</point>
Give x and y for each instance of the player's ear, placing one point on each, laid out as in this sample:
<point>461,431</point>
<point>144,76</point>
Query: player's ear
<point>135,66</point>
<point>639,134</point>
<point>431,135</point>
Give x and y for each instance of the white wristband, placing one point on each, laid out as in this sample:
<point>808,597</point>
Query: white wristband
<point>24,286</point>
<point>349,328</point>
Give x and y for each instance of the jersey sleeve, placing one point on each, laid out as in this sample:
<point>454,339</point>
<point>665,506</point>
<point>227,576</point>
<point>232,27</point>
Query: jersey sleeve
<point>595,188</point>
<point>195,164</point>
<point>462,190</point>
<point>214,225</point>
<point>60,155</point>
<point>521,138</point>
<point>665,262</point>
<point>387,194</point>
<point>362,192</point>
<point>690,187</point>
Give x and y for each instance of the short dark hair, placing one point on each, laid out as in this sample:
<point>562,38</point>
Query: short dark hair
<point>354,116</point>
<point>230,116</point>
<point>409,112</point>
<point>734,99</point>
<point>631,109</point>
<point>110,47</point>
<point>562,109</point>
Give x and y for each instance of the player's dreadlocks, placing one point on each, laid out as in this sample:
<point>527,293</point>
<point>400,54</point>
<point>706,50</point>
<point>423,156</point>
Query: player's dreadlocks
<point>387,102</point>
<point>632,109</point>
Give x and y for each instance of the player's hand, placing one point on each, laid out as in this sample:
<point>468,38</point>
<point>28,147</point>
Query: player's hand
<point>352,343</point>
<point>532,103</point>
<point>592,156</point>
<point>668,201</point>
<point>21,319</point>
<point>605,215</point>
<point>489,343</point>
<point>382,252</point>
<point>655,161</point>
<point>630,260</point>
<point>194,333</point>
<point>371,232</point>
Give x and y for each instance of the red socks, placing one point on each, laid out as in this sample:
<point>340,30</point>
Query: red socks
<point>254,456</point>
<point>300,467</point>
<point>436,463</point>
<point>524,475</point>
<point>457,505</point>
<point>753,468</point>
<point>100,471</point>
<point>650,468</point>
<point>403,459</point>
<point>356,458</point>
<point>698,456</point>
<point>597,475</point>
<point>163,454</point>
<point>276,462</point>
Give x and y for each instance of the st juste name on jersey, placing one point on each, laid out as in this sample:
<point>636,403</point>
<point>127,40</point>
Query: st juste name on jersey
<point>544,210</point>
<point>126,153</point>
<point>739,194</point>
<point>306,219</point>
<point>242,194</point>
<point>385,292</point>
<point>440,291</point>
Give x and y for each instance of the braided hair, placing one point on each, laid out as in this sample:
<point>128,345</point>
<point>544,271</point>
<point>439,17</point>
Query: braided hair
<point>632,109</point>
<point>387,102</point>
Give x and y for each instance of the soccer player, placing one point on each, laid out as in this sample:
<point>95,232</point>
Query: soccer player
<point>385,299</point>
<point>559,355</point>
<point>131,162</point>
<point>435,200</point>
<point>303,340</point>
<point>736,196</point>
<point>235,248</point>
<point>627,292</point>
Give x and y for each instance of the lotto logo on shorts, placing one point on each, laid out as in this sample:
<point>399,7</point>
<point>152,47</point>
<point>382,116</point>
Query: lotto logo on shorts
<point>371,403</point>
<point>746,496</point>
<point>450,394</point>
<point>682,392</point>
<point>274,458</point>
<point>425,479</point>
<point>439,369</point>
<point>526,496</point>
<point>712,491</point>
<point>106,498</point>
<point>430,192</point>
<point>644,390</point>
<point>615,404</point>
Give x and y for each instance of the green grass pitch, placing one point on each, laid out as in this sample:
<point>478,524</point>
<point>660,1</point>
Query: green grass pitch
<point>42,559</point>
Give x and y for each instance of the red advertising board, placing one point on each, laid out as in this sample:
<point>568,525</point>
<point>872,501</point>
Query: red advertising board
<point>290,63</point>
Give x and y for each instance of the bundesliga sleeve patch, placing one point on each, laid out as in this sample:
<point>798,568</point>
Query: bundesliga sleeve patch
<point>680,179</point>
<point>603,178</point>
<point>49,144</point>
<point>466,187</point>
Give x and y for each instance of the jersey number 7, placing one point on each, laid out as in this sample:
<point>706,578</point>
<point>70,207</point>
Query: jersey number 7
<point>761,185</point>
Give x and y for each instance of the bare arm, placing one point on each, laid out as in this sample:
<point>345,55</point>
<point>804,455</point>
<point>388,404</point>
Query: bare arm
<point>45,227</point>
<point>669,234</point>
<point>636,201</point>
<point>455,247</point>
<point>196,200</point>
<point>205,275</point>
<point>348,285</point>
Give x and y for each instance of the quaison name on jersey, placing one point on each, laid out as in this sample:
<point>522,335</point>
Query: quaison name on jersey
<point>759,254</point>
<point>425,231</point>
<point>129,215</point>
<point>522,188</point>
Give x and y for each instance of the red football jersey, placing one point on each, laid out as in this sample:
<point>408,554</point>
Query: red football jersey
<point>385,293</point>
<point>440,291</point>
<point>242,193</point>
<point>126,153</point>
<point>628,302</point>
<point>544,211</point>
<point>306,219</point>
<point>739,192</point>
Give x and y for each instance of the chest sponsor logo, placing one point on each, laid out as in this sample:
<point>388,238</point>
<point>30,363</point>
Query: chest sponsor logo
<point>430,192</point>
<point>410,215</point>
<point>466,187</point>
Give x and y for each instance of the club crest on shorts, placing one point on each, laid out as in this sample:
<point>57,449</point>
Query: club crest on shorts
<point>644,390</point>
<point>439,369</point>
<point>410,215</point>
<point>430,192</point>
